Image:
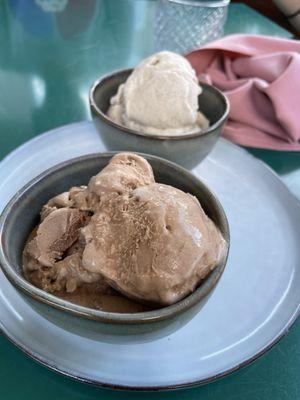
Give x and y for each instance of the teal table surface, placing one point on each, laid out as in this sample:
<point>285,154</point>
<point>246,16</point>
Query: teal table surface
<point>47,64</point>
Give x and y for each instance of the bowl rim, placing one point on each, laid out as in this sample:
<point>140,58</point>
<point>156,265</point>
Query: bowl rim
<point>160,314</point>
<point>100,114</point>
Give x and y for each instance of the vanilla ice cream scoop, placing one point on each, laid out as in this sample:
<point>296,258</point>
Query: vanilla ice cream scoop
<point>160,97</point>
<point>154,245</point>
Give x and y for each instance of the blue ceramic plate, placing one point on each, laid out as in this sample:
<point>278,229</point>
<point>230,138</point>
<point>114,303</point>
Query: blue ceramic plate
<point>253,305</point>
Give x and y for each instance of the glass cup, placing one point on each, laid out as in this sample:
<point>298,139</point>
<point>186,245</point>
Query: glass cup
<point>183,25</point>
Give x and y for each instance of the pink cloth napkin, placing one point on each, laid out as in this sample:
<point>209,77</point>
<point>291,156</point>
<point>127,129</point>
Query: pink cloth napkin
<point>261,77</point>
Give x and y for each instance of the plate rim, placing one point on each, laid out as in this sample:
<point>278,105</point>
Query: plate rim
<point>41,360</point>
<point>156,388</point>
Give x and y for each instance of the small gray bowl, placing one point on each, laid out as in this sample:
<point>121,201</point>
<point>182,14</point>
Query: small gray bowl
<point>21,215</point>
<point>186,149</point>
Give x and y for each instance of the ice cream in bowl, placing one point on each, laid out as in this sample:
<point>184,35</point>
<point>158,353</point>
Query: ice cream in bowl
<point>115,247</point>
<point>160,108</point>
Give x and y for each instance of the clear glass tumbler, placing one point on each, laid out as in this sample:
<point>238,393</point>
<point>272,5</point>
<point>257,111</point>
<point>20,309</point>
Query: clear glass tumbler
<point>183,25</point>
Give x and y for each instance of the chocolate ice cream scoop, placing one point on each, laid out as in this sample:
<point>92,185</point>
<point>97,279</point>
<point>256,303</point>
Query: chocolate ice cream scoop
<point>71,274</point>
<point>125,172</point>
<point>151,242</point>
<point>83,199</point>
<point>52,258</point>
<point>154,244</point>
<point>55,234</point>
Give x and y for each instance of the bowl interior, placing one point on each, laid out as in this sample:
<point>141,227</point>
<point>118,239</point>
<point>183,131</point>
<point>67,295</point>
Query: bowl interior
<point>211,102</point>
<point>22,213</point>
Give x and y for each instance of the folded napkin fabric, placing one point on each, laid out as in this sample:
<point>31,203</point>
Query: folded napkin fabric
<point>261,77</point>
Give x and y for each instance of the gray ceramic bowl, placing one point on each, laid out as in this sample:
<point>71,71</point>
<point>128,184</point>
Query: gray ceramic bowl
<point>187,150</point>
<point>22,214</point>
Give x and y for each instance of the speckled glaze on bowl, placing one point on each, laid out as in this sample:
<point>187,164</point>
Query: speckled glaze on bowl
<point>187,149</point>
<point>22,214</point>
